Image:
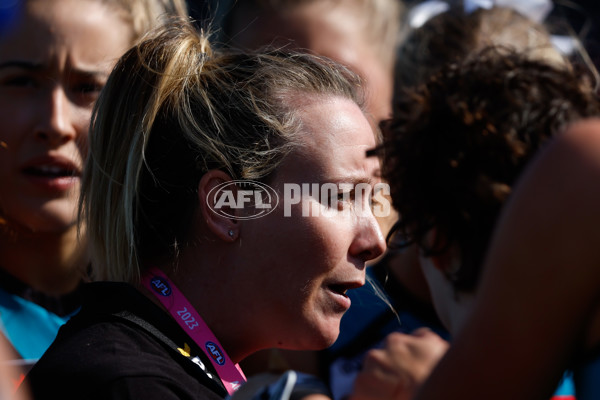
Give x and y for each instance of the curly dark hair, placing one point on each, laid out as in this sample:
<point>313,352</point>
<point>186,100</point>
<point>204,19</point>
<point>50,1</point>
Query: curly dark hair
<point>456,144</point>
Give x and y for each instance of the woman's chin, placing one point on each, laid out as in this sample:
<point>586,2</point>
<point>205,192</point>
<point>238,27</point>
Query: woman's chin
<point>328,334</point>
<point>43,221</point>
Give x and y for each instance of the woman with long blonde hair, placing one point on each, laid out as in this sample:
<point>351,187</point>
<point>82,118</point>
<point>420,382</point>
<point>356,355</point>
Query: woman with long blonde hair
<point>227,201</point>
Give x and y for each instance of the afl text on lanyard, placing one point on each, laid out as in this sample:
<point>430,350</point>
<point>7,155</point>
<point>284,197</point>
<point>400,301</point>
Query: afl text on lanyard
<point>186,316</point>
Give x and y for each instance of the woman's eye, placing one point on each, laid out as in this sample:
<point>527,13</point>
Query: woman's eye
<point>19,81</point>
<point>343,198</point>
<point>87,91</point>
<point>86,88</point>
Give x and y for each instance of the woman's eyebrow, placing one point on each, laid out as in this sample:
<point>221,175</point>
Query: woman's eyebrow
<point>355,179</point>
<point>37,66</point>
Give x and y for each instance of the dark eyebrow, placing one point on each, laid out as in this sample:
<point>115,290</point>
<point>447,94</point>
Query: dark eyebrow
<point>33,66</point>
<point>22,64</point>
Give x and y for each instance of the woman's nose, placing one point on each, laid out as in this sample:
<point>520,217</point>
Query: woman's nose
<point>55,121</point>
<point>369,242</point>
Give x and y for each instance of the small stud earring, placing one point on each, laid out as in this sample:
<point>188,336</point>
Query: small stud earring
<point>230,233</point>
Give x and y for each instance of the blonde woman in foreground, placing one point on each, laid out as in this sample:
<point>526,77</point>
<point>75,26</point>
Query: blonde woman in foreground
<point>194,280</point>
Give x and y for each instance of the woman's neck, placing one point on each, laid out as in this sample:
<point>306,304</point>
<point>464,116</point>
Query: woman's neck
<point>53,263</point>
<point>206,284</point>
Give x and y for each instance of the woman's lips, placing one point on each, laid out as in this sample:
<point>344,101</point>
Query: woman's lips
<point>339,293</point>
<point>52,173</point>
<point>341,300</point>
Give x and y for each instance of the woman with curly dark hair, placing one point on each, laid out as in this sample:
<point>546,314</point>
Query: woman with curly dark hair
<point>454,151</point>
<point>456,146</point>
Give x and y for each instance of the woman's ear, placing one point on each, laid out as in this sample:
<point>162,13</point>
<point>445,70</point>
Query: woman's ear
<point>214,196</point>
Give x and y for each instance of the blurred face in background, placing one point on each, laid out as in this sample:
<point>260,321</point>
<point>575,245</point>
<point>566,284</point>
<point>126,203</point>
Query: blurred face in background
<point>337,31</point>
<point>54,60</point>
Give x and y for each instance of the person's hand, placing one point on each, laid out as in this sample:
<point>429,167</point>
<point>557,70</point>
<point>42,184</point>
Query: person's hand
<point>396,371</point>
